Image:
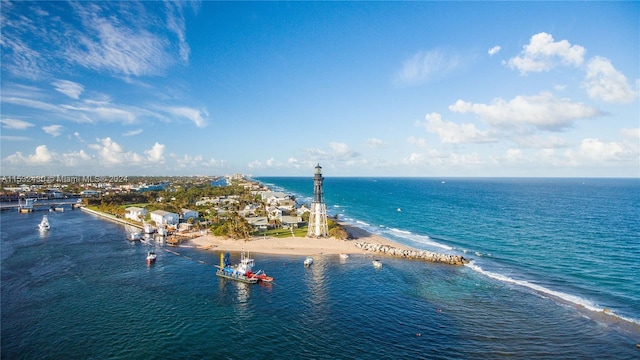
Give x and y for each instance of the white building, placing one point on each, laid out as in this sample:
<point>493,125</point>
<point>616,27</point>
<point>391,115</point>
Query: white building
<point>162,217</point>
<point>189,214</point>
<point>135,213</point>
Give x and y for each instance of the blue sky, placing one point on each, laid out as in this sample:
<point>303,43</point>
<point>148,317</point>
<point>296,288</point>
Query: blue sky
<point>365,89</point>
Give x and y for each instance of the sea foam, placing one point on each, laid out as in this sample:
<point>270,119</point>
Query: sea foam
<point>543,291</point>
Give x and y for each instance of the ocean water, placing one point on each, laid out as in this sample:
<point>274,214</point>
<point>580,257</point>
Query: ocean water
<point>554,275</point>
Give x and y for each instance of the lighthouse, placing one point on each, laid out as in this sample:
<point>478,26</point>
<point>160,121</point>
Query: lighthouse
<point>318,218</point>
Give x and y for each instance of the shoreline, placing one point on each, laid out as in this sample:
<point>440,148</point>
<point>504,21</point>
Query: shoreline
<point>300,246</point>
<point>360,241</point>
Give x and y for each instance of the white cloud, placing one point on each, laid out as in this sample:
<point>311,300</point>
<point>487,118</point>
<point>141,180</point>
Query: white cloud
<point>198,117</point>
<point>96,111</point>
<point>450,132</point>
<point>41,156</point>
<point>425,66</point>
<point>537,142</point>
<point>53,130</point>
<point>376,143</point>
<point>176,23</point>
<point>419,142</point>
<point>15,124</point>
<point>133,132</point>
<point>543,111</point>
<point>494,50</point>
<point>593,150</point>
<point>111,153</point>
<point>604,82</point>
<point>631,134</point>
<point>77,136</point>
<point>75,158</point>
<point>156,154</point>
<point>195,162</point>
<point>69,88</point>
<point>124,38</point>
<point>543,54</point>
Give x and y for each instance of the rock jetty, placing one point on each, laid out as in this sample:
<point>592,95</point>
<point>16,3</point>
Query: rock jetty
<point>413,254</point>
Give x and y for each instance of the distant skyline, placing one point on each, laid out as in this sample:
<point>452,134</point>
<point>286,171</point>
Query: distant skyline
<point>430,89</point>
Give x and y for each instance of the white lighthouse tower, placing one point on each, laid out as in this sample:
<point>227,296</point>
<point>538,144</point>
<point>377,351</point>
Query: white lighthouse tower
<point>318,218</point>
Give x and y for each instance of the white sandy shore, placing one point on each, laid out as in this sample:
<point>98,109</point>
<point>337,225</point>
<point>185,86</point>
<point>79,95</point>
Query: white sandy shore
<point>295,245</point>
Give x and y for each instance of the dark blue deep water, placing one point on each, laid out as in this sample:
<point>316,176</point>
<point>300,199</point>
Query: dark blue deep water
<point>554,275</point>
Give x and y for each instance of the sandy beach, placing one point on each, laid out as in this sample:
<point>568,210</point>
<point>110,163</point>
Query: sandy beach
<point>295,245</point>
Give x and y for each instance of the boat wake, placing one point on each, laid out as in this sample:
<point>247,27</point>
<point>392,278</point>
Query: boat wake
<point>543,291</point>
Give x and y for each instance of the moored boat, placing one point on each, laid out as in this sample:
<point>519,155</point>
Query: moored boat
<point>308,261</point>
<point>134,236</point>
<point>148,228</point>
<point>162,231</point>
<point>44,224</point>
<point>377,264</point>
<point>242,271</point>
<point>344,256</point>
<point>151,256</point>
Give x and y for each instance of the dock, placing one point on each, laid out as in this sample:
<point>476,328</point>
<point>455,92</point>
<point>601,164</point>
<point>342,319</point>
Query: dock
<point>111,217</point>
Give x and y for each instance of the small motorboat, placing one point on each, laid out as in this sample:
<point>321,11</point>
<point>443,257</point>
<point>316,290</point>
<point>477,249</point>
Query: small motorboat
<point>151,257</point>
<point>377,264</point>
<point>262,277</point>
<point>344,256</point>
<point>308,261</point>
<point>44,224</point>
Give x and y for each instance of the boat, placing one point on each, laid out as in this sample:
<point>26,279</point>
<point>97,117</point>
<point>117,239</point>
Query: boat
<point>239,272</point>
<point>148,228</point>
<point>344,256</point>
<point>44,224</point>
<point>27,207</point>
<point>262,277</point>
<point>308,261</point>
<point>134,236</point>
<point>377,264</point>
<point>162,231</point>
<point>151,257</point>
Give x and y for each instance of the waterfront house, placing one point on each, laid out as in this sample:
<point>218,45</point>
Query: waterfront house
<point>274,213</point>
<point>259,222</point>
<point>162,217</point>
<point>135,213</point>
<point>290,221</point>
<point>189,214</point>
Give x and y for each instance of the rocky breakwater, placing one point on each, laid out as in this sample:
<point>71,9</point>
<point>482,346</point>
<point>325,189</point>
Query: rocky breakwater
<point>413,254</point>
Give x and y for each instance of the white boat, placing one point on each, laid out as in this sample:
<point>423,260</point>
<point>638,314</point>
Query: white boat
<point>377,264</point>
<point>308,261</point>
<point>148,228</point>
<point>162,231</point>
<point>151,256</point>
<point>344,256</point>
<point>44,224</point>
<point>134,236</point>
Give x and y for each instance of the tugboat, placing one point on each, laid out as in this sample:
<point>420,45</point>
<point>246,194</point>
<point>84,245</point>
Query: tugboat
<point>241,272</point>
<point>44,224</point>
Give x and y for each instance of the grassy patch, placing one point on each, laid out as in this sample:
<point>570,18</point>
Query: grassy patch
<point>282,233</point>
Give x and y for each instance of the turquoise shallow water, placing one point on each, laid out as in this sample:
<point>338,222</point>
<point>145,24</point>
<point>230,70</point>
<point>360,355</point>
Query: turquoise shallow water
<point>548,255</point>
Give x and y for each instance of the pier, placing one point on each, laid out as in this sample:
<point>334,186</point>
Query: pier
<point>39,206</point>
<point>111,217</point>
